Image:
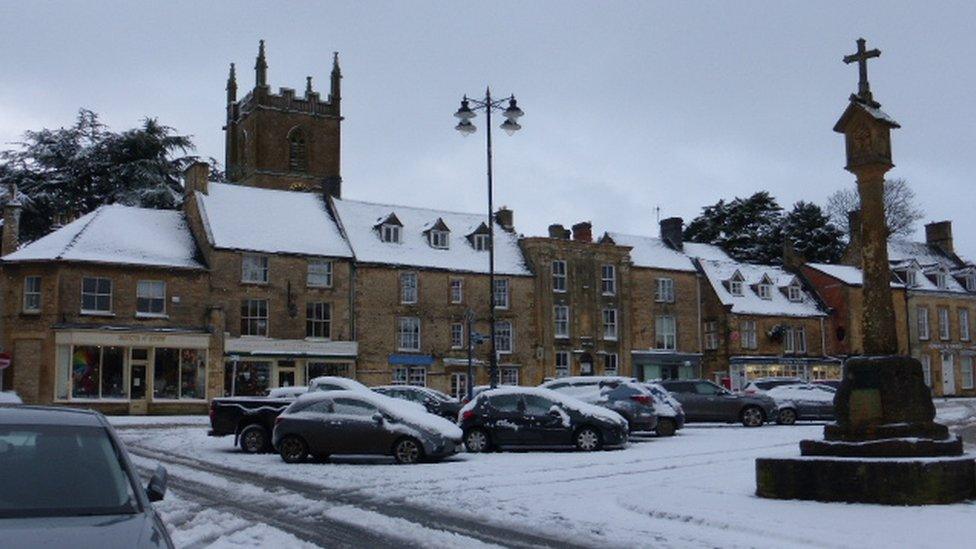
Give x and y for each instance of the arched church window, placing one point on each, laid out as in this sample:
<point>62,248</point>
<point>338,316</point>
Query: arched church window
<point>297,151</point>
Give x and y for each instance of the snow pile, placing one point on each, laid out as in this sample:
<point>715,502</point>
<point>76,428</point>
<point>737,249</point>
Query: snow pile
<point>563,400</point>
<point>9,397</point>
<point>719,273</point>
<point>121,235</point>
<point>262,220</point>
<point>359,221</point>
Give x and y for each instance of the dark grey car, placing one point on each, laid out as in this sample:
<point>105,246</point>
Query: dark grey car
<point>326,423</point>
<point>705,401</point>
<point>620,394</point>
<point>66,481</point>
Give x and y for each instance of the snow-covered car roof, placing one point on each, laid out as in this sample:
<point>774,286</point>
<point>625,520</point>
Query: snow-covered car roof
<point>237,217</point>
<point>406,411</point>
<point>119,235</point>
<point>321,383</point>
<point>360,222</point>
<point>279,392</point>
<point>564,400</point>
<point>426,390</point>
<point>587,379</point>
<point>801,391</point>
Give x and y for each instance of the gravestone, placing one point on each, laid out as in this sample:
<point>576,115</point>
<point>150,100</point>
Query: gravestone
<point>885,446</point>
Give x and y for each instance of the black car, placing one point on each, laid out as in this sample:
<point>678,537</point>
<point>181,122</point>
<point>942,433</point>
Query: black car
<point>66,481</point>
<point>249,419</point>
<point>435,402</point>
<point>535,417</point>
<point>803,401</point>
<point>705,401</point>
<point>326,423</point>
<point>620,394</point>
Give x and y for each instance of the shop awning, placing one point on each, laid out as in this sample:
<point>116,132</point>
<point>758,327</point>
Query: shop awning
<point>410,360</point>
<point>293,348</point>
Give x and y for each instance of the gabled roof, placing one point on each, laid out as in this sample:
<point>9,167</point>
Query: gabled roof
<point>264,220</point>
<point>929,260</point>
<point>874,111</point>
<point>847,274</point>
<point>358,218</point>
<point>438,225</point>
<point>718,272</point>
<point>390,219</point>
<point>121,235</point>
<point>652,252</point>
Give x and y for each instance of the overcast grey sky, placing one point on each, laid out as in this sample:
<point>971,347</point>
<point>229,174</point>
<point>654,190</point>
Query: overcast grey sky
<point>629,106</point>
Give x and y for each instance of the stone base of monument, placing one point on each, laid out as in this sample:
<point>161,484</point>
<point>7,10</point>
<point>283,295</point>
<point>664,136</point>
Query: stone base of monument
<point>885,447</point>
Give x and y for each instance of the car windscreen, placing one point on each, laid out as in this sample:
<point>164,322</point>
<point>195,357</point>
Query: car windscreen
<point>62,471</point>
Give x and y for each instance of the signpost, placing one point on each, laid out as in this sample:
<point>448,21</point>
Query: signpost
<point>5,360</point>
<point>233,377</point>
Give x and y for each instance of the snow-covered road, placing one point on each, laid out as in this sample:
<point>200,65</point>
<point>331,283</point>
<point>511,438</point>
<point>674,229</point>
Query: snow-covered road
<point>693,490</point>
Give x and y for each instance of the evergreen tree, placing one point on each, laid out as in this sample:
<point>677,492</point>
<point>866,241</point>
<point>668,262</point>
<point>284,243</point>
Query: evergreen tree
<point>748,229</point>
<point>65,173</point>
<point>812,234</point>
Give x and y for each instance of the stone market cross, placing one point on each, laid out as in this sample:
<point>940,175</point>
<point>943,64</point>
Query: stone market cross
<point>862,56</point>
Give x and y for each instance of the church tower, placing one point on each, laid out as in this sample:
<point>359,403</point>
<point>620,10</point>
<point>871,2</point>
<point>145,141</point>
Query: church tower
<point>280,140</point>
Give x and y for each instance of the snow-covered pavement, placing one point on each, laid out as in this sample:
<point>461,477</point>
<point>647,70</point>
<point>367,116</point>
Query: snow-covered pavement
<point>692,490</point>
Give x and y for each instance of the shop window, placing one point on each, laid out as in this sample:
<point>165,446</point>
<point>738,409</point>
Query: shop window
<point>318,369</point>
<point>166,374</point>
<point>410,375</point>
<point>459,385</point>
<point>97,372</point>
<point>32,294</point>
<point>193,374</point>
<point>151,297</point>
<point>253,378</point>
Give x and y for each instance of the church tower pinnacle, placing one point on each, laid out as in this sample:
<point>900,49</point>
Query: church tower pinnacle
<point>261,67</point>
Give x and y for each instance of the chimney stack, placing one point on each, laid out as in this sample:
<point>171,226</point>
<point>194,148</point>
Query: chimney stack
<point>583,232</point>
<point>939,234</point>
<point>11,222</point>
<point>506,218</point>
<point>196,178</point>
<point>558,231</point>
<point>671,232</point>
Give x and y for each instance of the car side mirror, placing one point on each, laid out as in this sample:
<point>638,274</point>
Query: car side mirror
<point>378,417</point>
<point>156,489</point>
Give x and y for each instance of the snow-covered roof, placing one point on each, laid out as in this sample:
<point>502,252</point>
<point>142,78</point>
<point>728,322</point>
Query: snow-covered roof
<point>927,261</point>
<point>264,220</point>
<point>719,272</point>
<point>359,220</point>
<point>117,234</point>
<point>845,273</point>
<point>652,252</point>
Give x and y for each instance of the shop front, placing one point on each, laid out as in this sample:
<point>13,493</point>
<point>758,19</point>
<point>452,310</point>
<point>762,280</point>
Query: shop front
<point>743,369</point>
<point>653,364</point>
<point>254,365</point>
<point>123,370</point>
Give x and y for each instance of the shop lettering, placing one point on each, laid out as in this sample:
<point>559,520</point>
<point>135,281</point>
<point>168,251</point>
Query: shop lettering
<point>141,338</point>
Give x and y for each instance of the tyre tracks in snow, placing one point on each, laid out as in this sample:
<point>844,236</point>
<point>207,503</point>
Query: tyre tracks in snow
<point>335,532</point>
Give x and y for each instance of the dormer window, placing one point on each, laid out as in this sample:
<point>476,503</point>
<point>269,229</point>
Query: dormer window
<point>765,291</point>
<point>735,284</point>
<point>971,282</point>
<point>390,233</point>
<point>439,239</point>
<point>794,293</point>
<point>911,278</point>
<point>941,280</point>
<point>481,242</point>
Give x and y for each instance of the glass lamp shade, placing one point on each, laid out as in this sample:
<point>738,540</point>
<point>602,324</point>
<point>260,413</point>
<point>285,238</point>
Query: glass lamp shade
<point>510,126</point>
<point>465,127</point>
<point>513,112</point>
<point>465,112</point>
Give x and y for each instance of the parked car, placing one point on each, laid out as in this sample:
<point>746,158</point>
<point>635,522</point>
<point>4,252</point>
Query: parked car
<point>432,400</point>
<point>9,397</point>
<point>249,419</point>
<point>763,384</point>
<point>68,482</point>
<point>670,413</point>
<point>620,394</point>
<point>326,423</point>
<point>286,392</point>
<point>475,391</point>
<point>832,383</point>
<point>335,383</point>
<point>510,417</point>
<point>703,400</point>
<point>803,401</point>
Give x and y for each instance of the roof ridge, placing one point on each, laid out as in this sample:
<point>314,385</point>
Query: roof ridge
<point>421,208</point>
<point>74,239</point>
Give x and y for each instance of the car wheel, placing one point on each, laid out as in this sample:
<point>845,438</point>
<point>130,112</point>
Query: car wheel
<point>587,439</point>
<point>787,416</point>
<point>293,449</point>
<point>254,439</point>
<point>751,416</point>
<point>408,451</point>
<point>476,440</point>
<point>665,427</point>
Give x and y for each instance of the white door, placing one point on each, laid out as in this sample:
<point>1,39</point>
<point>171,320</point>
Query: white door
<point>948,375</point>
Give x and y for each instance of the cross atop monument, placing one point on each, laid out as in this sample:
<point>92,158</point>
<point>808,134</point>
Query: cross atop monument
<point>862,56</point>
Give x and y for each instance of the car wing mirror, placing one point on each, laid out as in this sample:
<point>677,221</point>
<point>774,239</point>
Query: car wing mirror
<point>156,489</point>
<point>378,417</point>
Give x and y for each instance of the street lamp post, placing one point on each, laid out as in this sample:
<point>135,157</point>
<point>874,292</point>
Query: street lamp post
<point>511,113</point>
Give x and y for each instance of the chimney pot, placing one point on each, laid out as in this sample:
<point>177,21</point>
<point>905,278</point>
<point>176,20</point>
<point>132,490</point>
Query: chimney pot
<point>196,178</point>
<point>557,231</point>
<point>506,218</point>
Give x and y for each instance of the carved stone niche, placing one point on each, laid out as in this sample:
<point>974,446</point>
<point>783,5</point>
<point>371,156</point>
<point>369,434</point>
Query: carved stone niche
<point>867,133</point>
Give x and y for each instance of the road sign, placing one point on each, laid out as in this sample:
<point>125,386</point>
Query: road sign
<point>4,360</point>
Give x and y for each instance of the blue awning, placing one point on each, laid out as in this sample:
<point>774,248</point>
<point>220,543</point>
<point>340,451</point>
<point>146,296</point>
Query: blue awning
<point>411,360</point>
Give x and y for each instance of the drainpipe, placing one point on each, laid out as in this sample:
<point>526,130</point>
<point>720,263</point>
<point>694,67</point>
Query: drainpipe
<point>701,346</point>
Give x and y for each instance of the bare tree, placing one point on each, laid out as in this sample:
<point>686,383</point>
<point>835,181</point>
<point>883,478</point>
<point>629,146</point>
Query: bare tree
<point>901,207</point>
